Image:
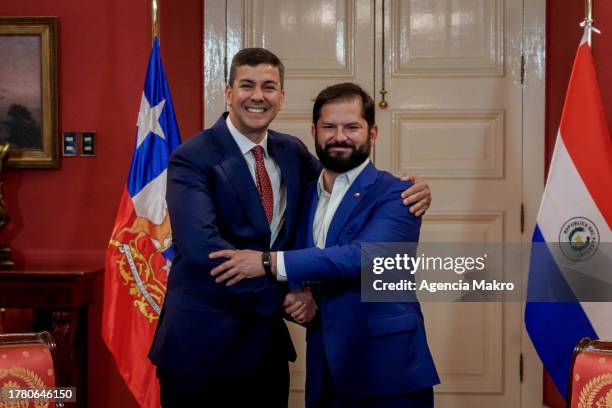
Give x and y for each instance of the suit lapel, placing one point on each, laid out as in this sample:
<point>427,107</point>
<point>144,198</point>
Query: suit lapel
<point>291,181</point>
<point>312,198</point>
<point>355,195</point>
<point>237,171</point>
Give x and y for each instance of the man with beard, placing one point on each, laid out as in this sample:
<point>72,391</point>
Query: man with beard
<point>235,185</point>
<point>359,354</point>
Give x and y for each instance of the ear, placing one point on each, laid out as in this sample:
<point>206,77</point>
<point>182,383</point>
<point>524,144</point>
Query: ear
<point>282,99</point>
<point>374,134</point>
<point>228,94</point>
<point>313,132</point>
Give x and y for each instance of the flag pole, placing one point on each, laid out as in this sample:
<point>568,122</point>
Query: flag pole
<point>155,20</point>
<point>588,17</point>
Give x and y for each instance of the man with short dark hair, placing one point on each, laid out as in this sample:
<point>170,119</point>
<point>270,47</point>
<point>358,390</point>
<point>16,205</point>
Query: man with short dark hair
<point>359,354</point>
<point>253,57</point>
<point>237,184</point>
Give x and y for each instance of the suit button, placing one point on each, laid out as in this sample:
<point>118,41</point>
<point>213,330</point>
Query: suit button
<point>349,231</point>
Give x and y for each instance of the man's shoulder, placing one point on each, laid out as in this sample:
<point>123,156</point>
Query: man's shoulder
<point>387,189</point>
<point>287,140</point>
<point>203,146</point>
<point>388,183</point>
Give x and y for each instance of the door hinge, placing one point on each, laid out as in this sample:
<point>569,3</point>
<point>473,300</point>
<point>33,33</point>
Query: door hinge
<point>522,218</point>
<point>521,367</point>
<point>522,69</point>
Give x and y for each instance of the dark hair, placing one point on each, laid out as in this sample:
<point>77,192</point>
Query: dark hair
<point>344,92</point>
<point>253,57</point>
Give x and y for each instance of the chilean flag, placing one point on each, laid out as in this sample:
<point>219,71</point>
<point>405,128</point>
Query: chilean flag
<point>139,254</point>
<point>573,226</point>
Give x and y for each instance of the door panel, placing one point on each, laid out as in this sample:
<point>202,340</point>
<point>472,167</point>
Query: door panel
<point>447,38</point>
<point>448,144</point>
<point>280,26</point>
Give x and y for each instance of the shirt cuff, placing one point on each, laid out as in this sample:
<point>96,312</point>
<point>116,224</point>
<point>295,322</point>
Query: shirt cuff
<point>281,273</point>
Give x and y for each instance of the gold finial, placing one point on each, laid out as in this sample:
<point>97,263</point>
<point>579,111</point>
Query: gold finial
<point>154,19</point>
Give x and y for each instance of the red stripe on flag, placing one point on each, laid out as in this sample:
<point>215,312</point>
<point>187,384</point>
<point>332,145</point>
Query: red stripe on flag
<point>128,325</point>
<point>585,132</point>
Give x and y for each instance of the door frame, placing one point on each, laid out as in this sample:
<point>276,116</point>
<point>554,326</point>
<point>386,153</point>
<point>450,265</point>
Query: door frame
<point>534,114</point>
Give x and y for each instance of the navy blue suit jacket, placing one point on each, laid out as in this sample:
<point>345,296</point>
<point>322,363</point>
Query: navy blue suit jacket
<point>373,349</point>
<point>206,327</point>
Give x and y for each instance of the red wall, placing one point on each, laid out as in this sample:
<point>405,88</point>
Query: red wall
<point>64,216</point>
<point>563,36</point>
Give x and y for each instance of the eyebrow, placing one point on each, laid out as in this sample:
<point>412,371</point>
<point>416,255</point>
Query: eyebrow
<point>250,81</point>
<point>343,124</point>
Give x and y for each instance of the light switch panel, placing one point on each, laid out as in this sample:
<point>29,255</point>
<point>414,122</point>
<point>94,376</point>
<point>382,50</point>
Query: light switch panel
<point>69,143</point>
<point>88,144</point>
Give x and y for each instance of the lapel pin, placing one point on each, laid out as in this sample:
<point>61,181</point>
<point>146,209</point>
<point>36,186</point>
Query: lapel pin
<point>356,195</point>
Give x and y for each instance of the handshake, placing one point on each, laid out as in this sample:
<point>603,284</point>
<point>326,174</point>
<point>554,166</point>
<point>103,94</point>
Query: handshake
<point>300,305</point>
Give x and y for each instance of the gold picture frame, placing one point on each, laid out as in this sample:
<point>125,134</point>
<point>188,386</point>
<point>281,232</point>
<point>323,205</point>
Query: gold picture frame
<point>28,91</point>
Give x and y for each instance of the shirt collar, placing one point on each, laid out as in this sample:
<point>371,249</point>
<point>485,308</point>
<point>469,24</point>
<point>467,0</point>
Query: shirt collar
<point>244,143</point>
<point>348,177</point>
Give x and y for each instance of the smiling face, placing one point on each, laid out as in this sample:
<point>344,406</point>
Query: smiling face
<point>343,139</point>
<point>254,98</point>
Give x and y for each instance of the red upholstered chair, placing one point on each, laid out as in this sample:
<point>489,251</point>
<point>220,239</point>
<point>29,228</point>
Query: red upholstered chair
<point>590,383</point>
<point>26,362</point>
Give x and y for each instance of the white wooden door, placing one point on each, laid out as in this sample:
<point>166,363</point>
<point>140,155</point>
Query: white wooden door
<point>454,117</point>
<point>452,72</point>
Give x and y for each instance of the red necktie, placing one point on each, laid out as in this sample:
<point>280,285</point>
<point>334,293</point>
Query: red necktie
<point>263,183</point>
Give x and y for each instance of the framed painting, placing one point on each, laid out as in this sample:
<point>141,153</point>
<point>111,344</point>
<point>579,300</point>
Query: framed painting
<point>28,91</point>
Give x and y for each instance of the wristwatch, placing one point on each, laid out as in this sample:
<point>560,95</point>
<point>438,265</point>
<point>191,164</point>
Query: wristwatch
<point>266,260</point>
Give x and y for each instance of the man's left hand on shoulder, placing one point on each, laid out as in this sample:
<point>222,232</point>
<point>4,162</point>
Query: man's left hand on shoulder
<point>419,194</point>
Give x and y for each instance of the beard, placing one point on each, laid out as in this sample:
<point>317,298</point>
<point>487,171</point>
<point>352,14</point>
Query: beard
<point>339,163</point>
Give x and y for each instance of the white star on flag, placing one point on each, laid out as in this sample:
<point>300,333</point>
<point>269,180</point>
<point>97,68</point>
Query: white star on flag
<point>148,120</point>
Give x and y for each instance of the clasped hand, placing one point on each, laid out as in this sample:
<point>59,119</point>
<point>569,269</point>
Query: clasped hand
<point>300,305</point>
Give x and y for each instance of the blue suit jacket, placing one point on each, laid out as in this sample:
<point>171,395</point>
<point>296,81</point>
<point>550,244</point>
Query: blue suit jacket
<point>206,327</point>
<point>373,349</point>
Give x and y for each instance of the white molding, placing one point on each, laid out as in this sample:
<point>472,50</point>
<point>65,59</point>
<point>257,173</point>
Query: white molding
<point>491,166</point>
<point>489,65</point>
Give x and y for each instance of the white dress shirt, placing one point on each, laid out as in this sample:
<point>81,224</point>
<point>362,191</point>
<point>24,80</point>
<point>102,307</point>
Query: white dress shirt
<point>278,187</point>
<point>326,208</point>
